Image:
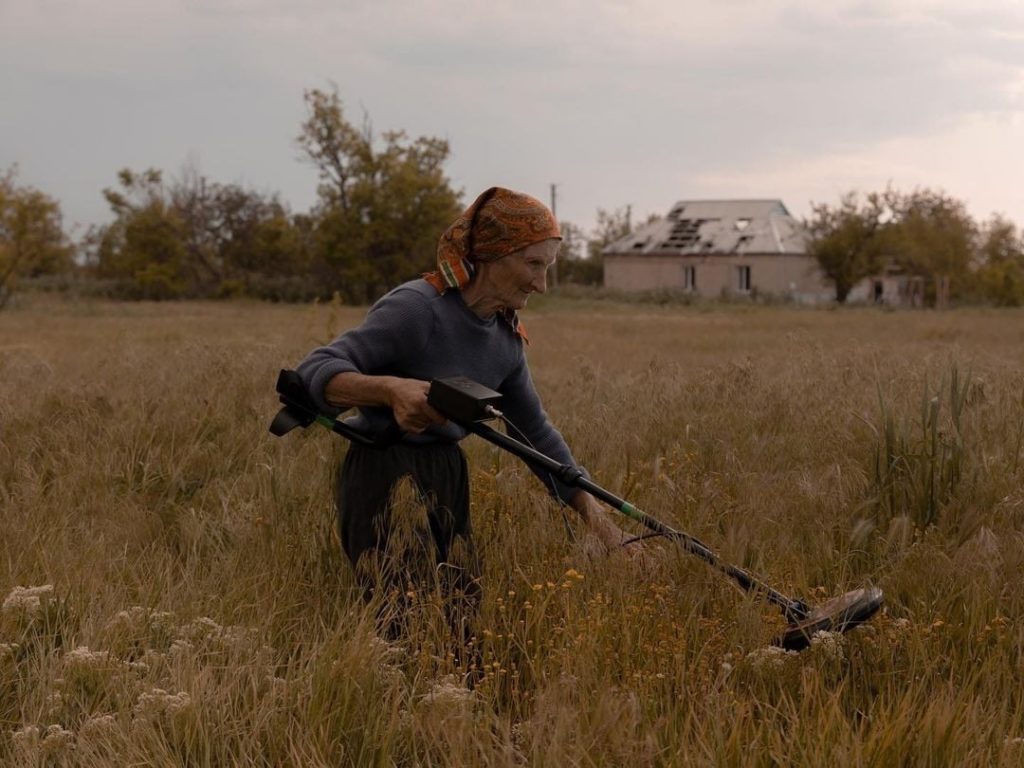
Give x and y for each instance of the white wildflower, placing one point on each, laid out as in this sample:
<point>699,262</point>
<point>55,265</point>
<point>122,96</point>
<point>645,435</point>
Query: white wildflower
<point>162,623</point>
<point>769,659</point>
<point>97,727</point>
<point>27,602</point>
<point>448,692</point>
<point>35,744</point>
<point>207,636</point>
<point>828,646</point>
<point>132,621</point>
<point>87,669</point>
<point>520,733</point>
<point>181,649</point>
<point>390,675</point>
<point>235,635</point>
<point>27,737</point>
<point>54,704</point>
<point>57,740</point>
<point>139,629</point>
<point>83,660</point>
<point>200,629</point>
<point>157,704</point>
<point>867,630</point>
<point>380,646</point>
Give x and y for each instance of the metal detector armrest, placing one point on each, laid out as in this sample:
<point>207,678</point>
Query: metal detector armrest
<point>300,411</point>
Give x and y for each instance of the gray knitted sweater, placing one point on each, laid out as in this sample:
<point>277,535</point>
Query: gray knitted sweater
<point>414,332</point>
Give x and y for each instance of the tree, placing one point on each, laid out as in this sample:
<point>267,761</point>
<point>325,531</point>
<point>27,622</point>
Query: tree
<point>584,256</point>
<point>933,236</point>
<point>848,240</point>
<point>32,239</point>
<point>611,226</point>
<point>1000,274</point>
<point>382,205</point>
<point>236,238</point>
<point>144,248</point>
<point>574,262</point>
<point>581,258</point>
<point>194,238</point>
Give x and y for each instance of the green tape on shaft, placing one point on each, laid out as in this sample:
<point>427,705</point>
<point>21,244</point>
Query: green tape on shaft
<point>630,511</point>
<point>329,423</point>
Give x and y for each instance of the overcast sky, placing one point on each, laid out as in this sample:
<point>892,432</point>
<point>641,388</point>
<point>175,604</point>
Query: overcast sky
<point>640,102</point>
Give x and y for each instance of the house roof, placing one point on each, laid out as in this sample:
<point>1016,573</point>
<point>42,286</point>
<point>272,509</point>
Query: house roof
<point>694,227</point>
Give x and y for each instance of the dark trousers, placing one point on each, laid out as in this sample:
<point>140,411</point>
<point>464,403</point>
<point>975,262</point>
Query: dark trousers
<point>391,555</point>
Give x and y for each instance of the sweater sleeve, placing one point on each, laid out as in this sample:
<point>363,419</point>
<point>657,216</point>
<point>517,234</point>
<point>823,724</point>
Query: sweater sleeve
<point>522,407</point>
<point>396,330</point>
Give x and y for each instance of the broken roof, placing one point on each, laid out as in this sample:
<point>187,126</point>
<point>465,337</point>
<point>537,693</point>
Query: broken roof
<point>696,227</point>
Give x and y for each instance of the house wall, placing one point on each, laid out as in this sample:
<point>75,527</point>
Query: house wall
<point>889,290</point>
<point>783,274</point>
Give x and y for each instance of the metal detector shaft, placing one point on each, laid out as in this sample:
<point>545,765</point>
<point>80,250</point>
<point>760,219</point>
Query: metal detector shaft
<point>795,610</point>
<point>299,410</point>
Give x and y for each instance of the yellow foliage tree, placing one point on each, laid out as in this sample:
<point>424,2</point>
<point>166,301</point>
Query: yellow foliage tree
<point>32,239</point>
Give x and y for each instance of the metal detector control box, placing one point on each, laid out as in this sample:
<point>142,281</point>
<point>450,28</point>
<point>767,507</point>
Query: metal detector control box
<point>463,400</point>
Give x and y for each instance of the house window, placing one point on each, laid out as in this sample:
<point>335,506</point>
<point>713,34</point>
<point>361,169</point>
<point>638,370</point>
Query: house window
<point>689,277</point>
<point>743,279</point>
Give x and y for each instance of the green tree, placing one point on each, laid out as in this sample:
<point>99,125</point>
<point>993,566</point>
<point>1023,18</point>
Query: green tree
<point>610,226</point>
<point>237,239</point>
<point>32,239</point>
<point>1000,273</point>
<point>848,240</point>
<point>588,267</point>
<point>144,249</point>
<point>192,238</point>
<point>933,236</point>
<point>383,204</point>
<point>575,265</point>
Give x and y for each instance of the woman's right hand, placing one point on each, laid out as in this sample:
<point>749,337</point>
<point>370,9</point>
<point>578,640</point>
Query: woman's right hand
<point>408,401</point>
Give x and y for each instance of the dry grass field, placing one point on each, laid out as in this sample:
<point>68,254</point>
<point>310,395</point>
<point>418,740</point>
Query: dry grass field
<point>173,592</point>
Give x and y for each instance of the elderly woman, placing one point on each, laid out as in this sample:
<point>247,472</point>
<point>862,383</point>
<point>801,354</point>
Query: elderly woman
<point>458,321</point>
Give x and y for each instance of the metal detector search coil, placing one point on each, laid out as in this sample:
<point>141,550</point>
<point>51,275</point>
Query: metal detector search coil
<point>839,614</point>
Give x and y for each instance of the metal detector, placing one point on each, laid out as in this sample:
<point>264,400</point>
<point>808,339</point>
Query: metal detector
<point>470,405</point>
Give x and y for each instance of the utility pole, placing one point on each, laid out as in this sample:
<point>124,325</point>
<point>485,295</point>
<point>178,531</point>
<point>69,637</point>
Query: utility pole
<point>554,199</point>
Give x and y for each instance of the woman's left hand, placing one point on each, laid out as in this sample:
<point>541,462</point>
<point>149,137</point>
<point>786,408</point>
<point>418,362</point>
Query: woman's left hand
<point>600,524</point>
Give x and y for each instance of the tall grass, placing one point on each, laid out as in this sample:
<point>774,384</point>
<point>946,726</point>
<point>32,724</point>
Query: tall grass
<point>919,466</point>
<point>173,590</point>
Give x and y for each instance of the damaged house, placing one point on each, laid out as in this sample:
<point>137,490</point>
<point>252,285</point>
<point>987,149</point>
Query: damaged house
<point>718,247</point>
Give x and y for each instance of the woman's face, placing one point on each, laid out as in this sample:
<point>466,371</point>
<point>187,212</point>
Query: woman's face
<point>512,279</point>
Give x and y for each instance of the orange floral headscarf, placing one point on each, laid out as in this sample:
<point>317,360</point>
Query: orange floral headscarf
<point>498,223</point>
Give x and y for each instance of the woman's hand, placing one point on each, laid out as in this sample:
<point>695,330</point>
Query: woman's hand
<point>600,524</point>
<point>407,398</point>
<point>408,401</point>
